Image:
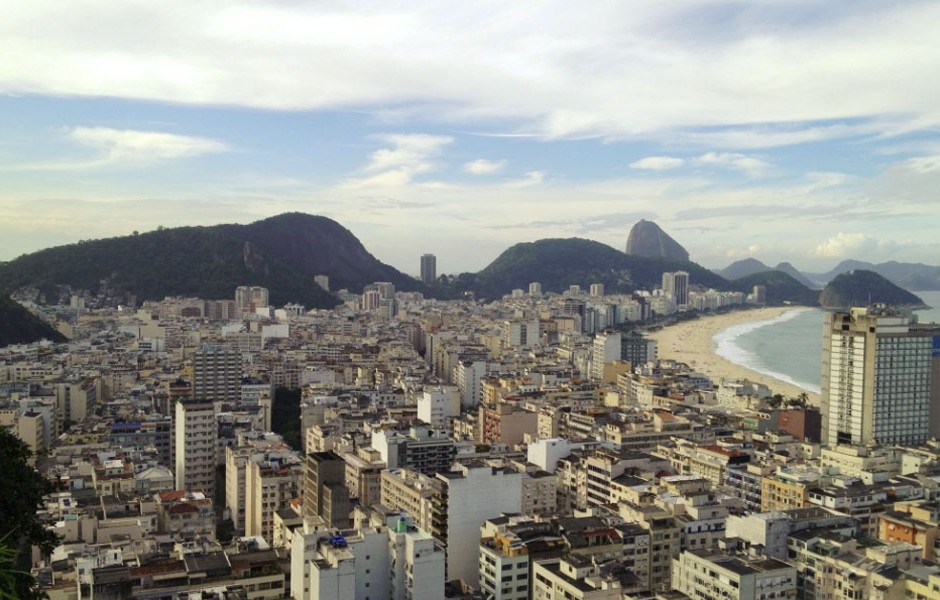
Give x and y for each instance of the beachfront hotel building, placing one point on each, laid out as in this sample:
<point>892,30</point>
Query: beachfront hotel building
<point>880,378</point>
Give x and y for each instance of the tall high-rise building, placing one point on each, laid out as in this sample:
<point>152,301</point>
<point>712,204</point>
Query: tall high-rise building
<point>676,285</point>
<point>196,433</point>
<point>428,268</point>
<point>637,349</point>
<point>217,374</point>
<point>880,371</point>
<point>250,297</point>
<point>270,483</point>
<point>606,349</point>
<point>325,492</point>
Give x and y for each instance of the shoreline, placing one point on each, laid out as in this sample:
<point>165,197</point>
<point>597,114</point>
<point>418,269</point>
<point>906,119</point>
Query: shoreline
<point>691,342</point>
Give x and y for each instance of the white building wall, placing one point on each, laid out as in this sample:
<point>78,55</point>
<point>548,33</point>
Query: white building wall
<point>196,453</point>
<point>480,495</point>
<point>372,563</point>
<point>438,405</point>
<point>419,566</point>
<point>546,453</point>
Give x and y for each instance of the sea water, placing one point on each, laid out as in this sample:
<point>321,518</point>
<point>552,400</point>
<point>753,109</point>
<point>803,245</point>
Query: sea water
<point>789,347</point>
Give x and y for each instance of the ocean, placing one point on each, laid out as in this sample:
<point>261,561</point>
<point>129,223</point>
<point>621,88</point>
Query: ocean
<point>789,347</point>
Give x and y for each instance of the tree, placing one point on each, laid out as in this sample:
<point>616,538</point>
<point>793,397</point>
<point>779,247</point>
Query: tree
<point>20,526</point>
<point>800,401</point>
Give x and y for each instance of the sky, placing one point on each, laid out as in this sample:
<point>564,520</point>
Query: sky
<point>784,130</point>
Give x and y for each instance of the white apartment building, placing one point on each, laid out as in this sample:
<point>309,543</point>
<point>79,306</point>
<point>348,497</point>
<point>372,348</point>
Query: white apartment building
<point>467,375</point>
<point>271,482</point>
<point>606,349</point>
<point>436,406</point>
<point>196,435</point>
<point>393,560</point>
<point>704,574</point>
<point>574,577</point>
<point>520,334</point>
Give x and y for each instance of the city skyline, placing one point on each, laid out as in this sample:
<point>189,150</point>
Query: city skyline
<point>804,133</point>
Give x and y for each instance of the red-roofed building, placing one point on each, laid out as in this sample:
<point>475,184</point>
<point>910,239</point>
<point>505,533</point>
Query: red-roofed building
<point>185,515</point>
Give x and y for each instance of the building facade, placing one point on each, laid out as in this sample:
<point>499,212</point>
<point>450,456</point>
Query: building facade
<point>428,268</point>
<point>217,374</point>
<point>878,379</point>
<point>196,432</point>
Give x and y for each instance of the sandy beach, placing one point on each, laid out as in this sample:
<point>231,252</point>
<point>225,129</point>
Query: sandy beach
<point>691,342</point>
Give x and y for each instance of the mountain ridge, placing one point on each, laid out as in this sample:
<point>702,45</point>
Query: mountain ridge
<point>910,276</point>
<point>282,253</point>
<point>557,263</point>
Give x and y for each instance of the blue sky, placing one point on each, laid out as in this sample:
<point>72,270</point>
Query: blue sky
<point>792,130</point>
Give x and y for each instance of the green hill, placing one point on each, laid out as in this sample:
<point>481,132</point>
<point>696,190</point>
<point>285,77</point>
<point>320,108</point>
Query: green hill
<point>910,276</point>
<point>863,288</point>
<point>282,253</point>
<point>781,288</point>
<point>19,326</point>
<point>559,263</point>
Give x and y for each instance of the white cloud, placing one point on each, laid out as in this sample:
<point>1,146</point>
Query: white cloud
<point>119,145</point>
<point>410,152</point>
<point>733,160</point>
<point>817,180</point>
<point>756,74</point>
<point>844,245</point>
<point>395,167</point>
<point>657,163</point>
<point>923,164</point>
<point>531,178</point>
<point>791,133</point>
<point>752,251</point>
<point>482,166</point>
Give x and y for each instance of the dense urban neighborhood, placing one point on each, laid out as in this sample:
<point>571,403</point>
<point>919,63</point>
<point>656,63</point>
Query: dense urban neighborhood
<point>533,447</point>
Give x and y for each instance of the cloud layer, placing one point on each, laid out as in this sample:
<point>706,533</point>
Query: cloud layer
<point>128,145</point>
<point>766,73</point>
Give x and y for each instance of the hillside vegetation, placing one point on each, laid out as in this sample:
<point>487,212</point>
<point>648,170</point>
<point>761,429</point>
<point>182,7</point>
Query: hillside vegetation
<point>19,326</point>
<point>560,263</point>
<point>282,253</point>
<point>781,288</point>
<point>862,288</point>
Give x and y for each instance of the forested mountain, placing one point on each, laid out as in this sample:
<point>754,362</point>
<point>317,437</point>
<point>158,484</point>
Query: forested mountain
<point>282,253</point>
<point>559,263</point>
<point>862,288</point>
<point>781,288</point>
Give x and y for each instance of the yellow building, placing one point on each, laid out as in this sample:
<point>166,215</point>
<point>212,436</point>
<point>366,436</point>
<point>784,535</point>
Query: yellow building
<point>787,488</point>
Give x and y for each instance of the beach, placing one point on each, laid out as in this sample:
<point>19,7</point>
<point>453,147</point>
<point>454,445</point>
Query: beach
<point>691,342</point>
